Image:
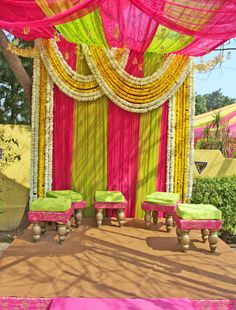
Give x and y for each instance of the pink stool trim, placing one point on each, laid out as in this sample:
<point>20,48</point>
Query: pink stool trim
<point>198,224</point>
<point>78,204</point>
<point>60,217</point>
<point>147,206</point>
<point>110,205</point>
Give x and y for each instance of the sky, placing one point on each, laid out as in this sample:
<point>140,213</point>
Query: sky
<point>223,76</point>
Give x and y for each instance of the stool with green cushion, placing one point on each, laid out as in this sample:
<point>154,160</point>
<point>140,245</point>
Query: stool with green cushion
<point>76,201</point>
<point>160,202</point>
<point>58,210</point>
<point>110,200</point>
<point>206,218</point>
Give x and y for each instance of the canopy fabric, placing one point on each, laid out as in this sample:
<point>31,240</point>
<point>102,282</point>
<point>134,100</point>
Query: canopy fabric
<point>192,27</point>
<point>228,117</point>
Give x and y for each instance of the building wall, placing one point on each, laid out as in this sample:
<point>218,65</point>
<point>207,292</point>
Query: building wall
<point>15,179</point>
<point>216,164</point>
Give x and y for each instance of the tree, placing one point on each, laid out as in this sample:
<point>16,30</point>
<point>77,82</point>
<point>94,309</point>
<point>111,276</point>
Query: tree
<point>200,105</point>
<point>217,100</point>
<point>15,84</point>
<point>217,136</point>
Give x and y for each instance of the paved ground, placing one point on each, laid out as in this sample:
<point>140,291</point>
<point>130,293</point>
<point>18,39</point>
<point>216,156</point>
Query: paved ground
<point>117,262</point>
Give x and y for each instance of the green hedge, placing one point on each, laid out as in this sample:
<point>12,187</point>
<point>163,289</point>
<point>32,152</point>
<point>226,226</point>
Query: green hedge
<point>220,192</point>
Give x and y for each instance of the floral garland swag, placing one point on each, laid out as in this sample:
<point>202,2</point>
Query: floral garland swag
<point>173,82</point>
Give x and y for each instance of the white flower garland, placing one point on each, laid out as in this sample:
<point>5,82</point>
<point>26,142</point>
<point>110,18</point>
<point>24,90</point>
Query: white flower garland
<point>125,56</point>
<point>136,80</point>
<point>191,133</point>
<point>34,130</point>
<point>48,137</point>
<point>124,104</point>
<point>170,146</point>
<point>61,85</point>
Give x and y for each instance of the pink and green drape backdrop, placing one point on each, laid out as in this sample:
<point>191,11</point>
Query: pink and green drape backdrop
<point>99,146</point>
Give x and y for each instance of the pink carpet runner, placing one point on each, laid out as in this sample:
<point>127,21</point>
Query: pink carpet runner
<point>114,304</point>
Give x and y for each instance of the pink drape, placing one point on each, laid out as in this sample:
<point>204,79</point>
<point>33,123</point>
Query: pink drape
<point>26,20</point>
<point>123,144</point>
<point>63,127</point>
<point>130,23</point>
<point>213,19</point>
<point>126,26</point>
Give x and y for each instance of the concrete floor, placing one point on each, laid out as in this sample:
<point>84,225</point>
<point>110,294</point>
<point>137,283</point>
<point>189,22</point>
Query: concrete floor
<point>117,262</point>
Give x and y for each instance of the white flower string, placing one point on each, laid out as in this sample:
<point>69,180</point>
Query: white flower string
<point>34,130</point>
<point>190,157</point>
<point>124,104</point>
<point>170,146</point>
<point>48,137</point>
<point>77,95</point>
<point>136,80</point>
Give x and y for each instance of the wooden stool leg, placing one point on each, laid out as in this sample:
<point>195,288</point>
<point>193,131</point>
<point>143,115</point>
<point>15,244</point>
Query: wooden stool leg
<point>99,217</point>
<point>62,232</point>
<point>68,227</point>
<point>178,233</point>
<point>213,240</point>
<point>184,240</point>
<point>205,234</point>
<point>155,217</point>
<point>36,232</point>
<point>78,217</point>
<point>147,219</point>
<point>169,222</point>
<point>120,217</point>
<point>43,227</point>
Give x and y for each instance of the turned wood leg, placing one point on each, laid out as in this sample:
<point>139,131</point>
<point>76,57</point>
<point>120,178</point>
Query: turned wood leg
<point>155,217</point>
<point>184,240</point>
<point>36,232</point>
<point>62,232</point>
<point>147,219</point>
<point>99,217</point>
<point>43,227</point>
<point>205,234</point>
<point>120,217</point>
<point>78,217</point>
<point>178,233</point>
<point>169,222</point>
<point>213,240</point>
<point>68,227</point>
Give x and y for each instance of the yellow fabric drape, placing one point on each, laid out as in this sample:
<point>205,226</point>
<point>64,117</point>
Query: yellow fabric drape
<point>89,163</point>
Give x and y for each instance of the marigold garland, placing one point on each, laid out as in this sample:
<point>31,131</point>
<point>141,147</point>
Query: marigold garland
<point>42,119</point>
<point>34,130</point>
<point>128,92</point>
<point>130,96</point>
<point>181,147</point>
<point>27,52</point>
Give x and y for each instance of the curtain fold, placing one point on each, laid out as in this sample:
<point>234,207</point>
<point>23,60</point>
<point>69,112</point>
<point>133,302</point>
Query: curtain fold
<point>123,144</point>
<point>89,164</point>
<point>63,127</point>
<point>202,24</point>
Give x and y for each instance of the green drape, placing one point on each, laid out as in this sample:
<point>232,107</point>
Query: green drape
<point>89,164</point>
<point>87,29</point>
<point>149,142</point>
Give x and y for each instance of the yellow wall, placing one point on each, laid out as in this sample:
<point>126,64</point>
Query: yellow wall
<point>217,165</point>
<point>17,192</point>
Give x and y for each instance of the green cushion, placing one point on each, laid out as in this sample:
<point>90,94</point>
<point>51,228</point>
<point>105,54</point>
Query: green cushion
<point>198,212</point>
<point>106,196</point>
<point>162,198</point>
<point>50,204</point>
<point>67,194</point>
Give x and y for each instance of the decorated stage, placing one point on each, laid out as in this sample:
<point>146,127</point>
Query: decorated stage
<point>112,262</point>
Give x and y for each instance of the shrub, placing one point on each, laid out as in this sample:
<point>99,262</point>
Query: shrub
<point>221,193</point>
